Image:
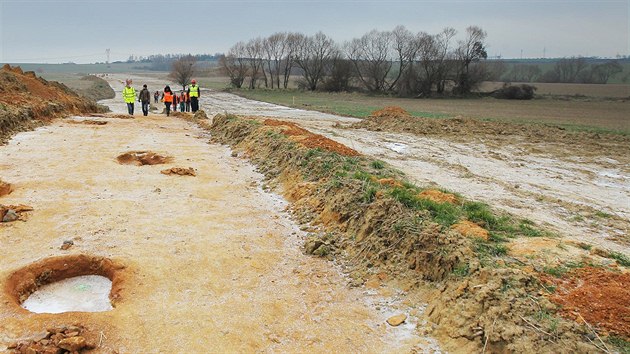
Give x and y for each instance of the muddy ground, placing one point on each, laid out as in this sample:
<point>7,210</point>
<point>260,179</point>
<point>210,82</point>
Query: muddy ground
<point>220,240</point>
<point>581,191</point>
<point>210,262</point>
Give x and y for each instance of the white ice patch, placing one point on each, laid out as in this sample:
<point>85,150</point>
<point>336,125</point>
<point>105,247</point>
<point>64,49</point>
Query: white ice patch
<point>87,293</point>
<point>398,147</point>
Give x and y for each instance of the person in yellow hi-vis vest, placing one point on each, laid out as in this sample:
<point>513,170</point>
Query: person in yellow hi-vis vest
<point>193,93</point>
<point>129,95</point>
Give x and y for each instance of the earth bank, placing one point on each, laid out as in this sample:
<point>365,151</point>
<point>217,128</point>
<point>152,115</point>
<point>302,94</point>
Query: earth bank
<point>483,298</point>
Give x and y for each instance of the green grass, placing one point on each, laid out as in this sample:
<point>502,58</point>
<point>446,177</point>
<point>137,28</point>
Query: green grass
<point>621,258</point>
<point>622,345</point>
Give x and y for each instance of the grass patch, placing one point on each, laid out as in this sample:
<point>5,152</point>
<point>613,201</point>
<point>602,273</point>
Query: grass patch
<point>621,258</point>
<point>622,345</point>
<point>377,164</point>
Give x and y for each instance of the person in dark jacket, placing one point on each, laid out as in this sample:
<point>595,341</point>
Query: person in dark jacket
<point>144,97</point>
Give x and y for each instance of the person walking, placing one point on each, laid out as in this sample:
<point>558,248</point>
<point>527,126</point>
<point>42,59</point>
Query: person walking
<point>129,95</point>
<point>175,102</point>
<point>167,97</point>
<point>156,96</point>
<point>193,92</point>
<point>187,100</point>
<point>182,101</point>
<point>145,98</point>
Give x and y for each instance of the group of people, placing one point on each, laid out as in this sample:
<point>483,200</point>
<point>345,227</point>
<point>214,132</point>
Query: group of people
<point>187,100</point>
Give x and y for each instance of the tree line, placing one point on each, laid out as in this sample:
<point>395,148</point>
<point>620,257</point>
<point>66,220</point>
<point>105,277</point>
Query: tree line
<point>394,62</point>
<point>567,70</point>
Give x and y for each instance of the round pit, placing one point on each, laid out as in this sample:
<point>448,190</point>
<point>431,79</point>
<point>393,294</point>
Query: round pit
<point>68,283</point>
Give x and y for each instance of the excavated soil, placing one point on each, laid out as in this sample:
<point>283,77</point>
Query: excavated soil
<point>5,188</point>
<point>308,139</point>
<point>491,308</point>
<point>596,295</point>
<point>180,171</point>
<point>239,266</point>
<point>141,158</point>
<point>28,101</point>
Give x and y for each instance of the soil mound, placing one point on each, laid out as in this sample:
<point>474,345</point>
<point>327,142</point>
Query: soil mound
<point>469,130</point>
<point>308,139</point>
<point>27,101</point>
<point>439,197</point>
<point>88,122</point>
<point>64,339</point>
<point>141,158</point>
<point>180,171</point>
<point>5,188</point>
<point>10,213</point>
<point>470,229</point>
<point>390,112</point>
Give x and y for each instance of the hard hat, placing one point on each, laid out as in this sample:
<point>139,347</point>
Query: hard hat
<point>193,81</point>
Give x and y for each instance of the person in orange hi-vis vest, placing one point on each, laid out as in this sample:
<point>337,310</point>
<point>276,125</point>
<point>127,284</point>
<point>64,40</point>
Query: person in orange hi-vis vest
<point>168,99</point>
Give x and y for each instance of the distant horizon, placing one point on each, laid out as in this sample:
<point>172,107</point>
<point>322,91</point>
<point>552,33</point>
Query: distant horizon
<point>81,31</point>
<point>139,61</point>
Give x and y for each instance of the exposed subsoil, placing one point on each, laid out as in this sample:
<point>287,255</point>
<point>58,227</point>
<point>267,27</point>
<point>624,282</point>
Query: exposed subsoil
<point>595,295</point>
<point>210,264</point>
<point>213,263</point>
<point>574,183</point>
<point>497,306</point>
<point>28,101</point>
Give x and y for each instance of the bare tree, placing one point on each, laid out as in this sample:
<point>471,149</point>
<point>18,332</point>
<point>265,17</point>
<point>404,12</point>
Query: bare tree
<point>406,49</point>
<point>470,50</point>
<point>235,64</point>
<point>288,61</point>
<point>254,52</point>
<point>603,72</point>
<point>433,55</point>
<point>569,69</point>
<point>314,56</point>
<point>183,69</point>
<point>523,73</point>
<point>372,59</point>
<point>275,47</point>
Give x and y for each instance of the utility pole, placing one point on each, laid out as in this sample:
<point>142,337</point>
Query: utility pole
<point>107,52</point>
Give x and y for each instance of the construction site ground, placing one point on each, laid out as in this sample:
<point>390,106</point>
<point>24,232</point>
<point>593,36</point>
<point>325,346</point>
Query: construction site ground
<point>213,262</point>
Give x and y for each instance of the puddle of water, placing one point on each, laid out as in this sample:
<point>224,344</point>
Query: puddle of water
<point>88,293</point>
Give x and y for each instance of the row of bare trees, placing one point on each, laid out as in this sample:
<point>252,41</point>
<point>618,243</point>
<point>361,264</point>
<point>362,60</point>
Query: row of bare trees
<point>396,61</point>
<point>567,70</point>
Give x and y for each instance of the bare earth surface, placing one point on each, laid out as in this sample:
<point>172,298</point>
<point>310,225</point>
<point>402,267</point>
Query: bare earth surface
<point>585,198</point>
<point>212,263</point>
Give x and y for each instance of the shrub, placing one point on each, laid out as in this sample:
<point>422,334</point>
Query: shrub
<point>515,92</point>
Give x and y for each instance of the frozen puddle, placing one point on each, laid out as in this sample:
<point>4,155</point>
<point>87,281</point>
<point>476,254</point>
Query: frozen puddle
<point>398,147</point>
<point>87,293</point>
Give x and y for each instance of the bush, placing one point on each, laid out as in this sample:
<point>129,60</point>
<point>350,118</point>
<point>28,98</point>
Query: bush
<point>515,92</point>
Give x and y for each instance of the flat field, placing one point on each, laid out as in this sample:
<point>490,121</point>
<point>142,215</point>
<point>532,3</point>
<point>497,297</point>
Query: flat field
<point>593,115</point>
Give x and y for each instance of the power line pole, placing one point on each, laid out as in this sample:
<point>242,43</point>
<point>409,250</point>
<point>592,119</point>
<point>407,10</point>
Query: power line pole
<point>107,51</point>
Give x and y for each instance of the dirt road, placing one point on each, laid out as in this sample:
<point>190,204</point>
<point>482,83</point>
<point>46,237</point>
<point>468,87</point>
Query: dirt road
<point>583,198</point>
<point>211,263</point>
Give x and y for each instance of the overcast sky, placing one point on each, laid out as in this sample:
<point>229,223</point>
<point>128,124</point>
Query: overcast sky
<point>51,31</point>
